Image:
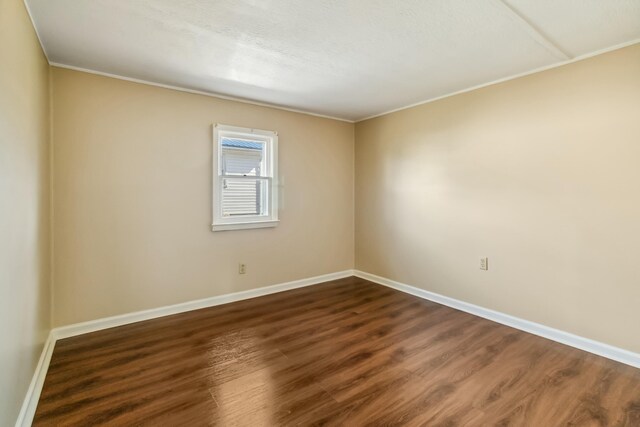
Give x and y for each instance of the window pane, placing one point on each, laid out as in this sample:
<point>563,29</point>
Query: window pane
<point>245,169</point>
<point>243,157</point>
<point>244,197</point>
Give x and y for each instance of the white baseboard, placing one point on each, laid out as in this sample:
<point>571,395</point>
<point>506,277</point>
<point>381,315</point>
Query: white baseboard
<point>586,344</point>
<point>138,316</point>
<point>30,403</point>
<point>28,410</point>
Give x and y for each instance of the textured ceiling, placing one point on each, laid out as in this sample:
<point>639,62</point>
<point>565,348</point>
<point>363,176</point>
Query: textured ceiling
<point>343,58</point>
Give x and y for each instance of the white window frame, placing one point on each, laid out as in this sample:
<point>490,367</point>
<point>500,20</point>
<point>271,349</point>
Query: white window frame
<point>221,223</point>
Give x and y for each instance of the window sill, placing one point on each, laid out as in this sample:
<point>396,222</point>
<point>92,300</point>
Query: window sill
<point>244,225</point>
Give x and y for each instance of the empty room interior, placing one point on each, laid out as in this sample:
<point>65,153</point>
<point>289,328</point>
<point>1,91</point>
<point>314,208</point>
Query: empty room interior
<point>345,213</point>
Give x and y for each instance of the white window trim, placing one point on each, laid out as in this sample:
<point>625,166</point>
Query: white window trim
<point>220,223</point>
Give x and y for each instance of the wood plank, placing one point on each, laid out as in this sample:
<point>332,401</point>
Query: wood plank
<point>346,352</point>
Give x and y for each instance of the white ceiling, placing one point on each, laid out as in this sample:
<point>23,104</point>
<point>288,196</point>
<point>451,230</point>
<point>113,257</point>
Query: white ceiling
<point>343,58</point>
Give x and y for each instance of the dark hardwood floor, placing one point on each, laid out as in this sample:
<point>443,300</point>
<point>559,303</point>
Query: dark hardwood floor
<point>347,352</point>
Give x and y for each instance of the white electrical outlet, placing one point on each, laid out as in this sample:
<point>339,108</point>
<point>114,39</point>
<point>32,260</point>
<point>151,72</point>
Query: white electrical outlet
<point>242,268</point>
<point>484,263</point>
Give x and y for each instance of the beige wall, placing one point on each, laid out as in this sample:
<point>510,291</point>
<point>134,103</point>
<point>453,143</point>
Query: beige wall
<point>24,205</point>
<point>540,174</point>
<point>132,185</point>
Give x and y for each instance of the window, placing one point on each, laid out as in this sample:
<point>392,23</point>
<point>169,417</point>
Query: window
<point>245,165</point>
